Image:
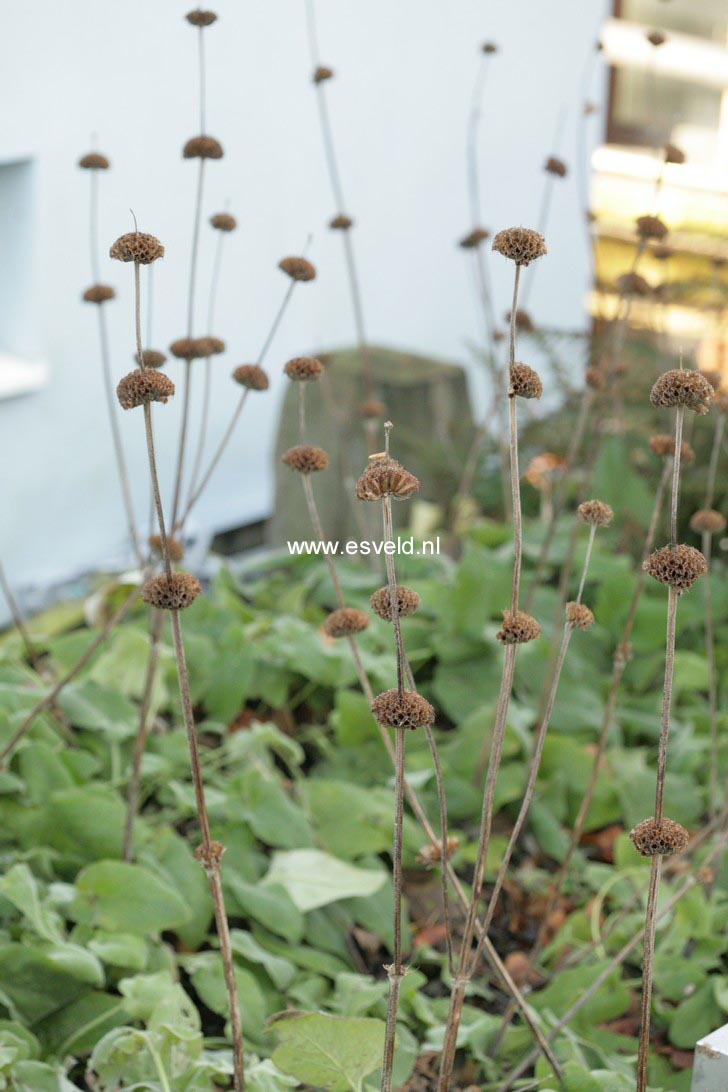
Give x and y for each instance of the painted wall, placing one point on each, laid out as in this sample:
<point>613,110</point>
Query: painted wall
<point>126,70</point>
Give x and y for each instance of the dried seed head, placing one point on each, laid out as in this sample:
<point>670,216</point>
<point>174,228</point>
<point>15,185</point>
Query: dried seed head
<point>474,238</point>
<point>216,344</point>
<point>578,616</point>
<point>659,837</point>
<point>137,246</point>
<point>151,358</point>
<point>656,38</point>
<point>556,166</point>
<point>175,592</point>
<point>174,546</point>
<point>341,222</point>
<point>489,47</point>
<point>407,602</point>
<point>708,520</point>
<point>322,73</point>
<point>408,711</point>
<point>518,628</point>
<point>305,459</point>
<point>372,408</point>
<point>223,221</point>
<point>524,322</point>
<point>431,853</point>
<point>677,566</point>
<point>595,379</point>
<point>632,284</point>
<point>386,477</point>
<point>303,369</point>
<point>713,375</point>
<point>521,245</point>
<point>596,513</point>
<point>681,387</point>
<point>589,109</point>
<point>524,382</point>
<point>664,445</point>
<point>651,227</point>
<point>673,154</point>
<point>251,376</point>
<point>191,348</point>
<point>662,253</point>
<point>345,622</point>
<point>298,269</point>
<point>141,387</point>
<point>94,161</point>
<point>202,147</point>
<point>200,18</point>
<point>99,293</point>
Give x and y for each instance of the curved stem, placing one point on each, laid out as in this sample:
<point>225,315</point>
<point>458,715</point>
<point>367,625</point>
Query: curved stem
<point>34,656</point>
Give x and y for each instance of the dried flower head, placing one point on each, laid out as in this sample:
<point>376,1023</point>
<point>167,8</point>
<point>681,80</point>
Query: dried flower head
<point>305,459</point>
<point>596,513</point>
<point>662,253</point>
<point>345,622</point>
<point>137,246</point>
<point>659,837</point>
<point>407,602</point>
<point>431,853</point>
<point>303,369</point>
<point>664,445</point>
<point>341,222</point>
<point>521,245</point>
<point>143,386</point>
<point>524,382</point>
<point>94,161</point>
<point>651,227</point>
<point>524,322</point>
<point>322,73</point>
<point>579,616</point>
<point>199,18</point>
<point>556,166</point>
<point>251,376</point>
<point>203,147</point>
<point>174,547</point>
<point>99,293</point>
<point>223,221</point>
<point>474,238</point>
<point>656,38</point>
<point>677,566</point>
<point>632,284</point>
<point>372,409</point>
<point>708,520</point>
<point>151,358</point>
<point>386,477</point>
<point>489,47</point>
<point>408,711</point>
<point>594,378</point>
<point>216,345</point>
<point>298,269</point>
<point>175,592</point>
<point>682,387</point>
<point>518,628</point>
<point>191,348</point>
<point>673,154</point>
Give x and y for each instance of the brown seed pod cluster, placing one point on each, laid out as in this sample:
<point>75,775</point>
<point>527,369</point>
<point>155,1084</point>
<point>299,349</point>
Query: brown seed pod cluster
<point>191,348</point>
<point>713,375</point>
<point>386,477</point>
<point>524,382</point>
<point>203,147</point>
<point>341,222</point>
<point>372,409</point>
<point>345,622</point>
<point>94,161</point>
<point>99,293</point>
<point>489,47</point>
<point>656,38</point>
<point>431,853</point>
<point>474,238</point>
<point>322,73</point>
<point>174,547</point>
<point>677,566</point>
<point>632,284</point>
<point>143,386</point>
<point>596,513</point>
<point>556,166</point>
<point>682,387</point>
<point>137,246</point>
<point>708,521</point>
<point>408,711</point>
<point>651,227</point>
<point>579,616</point>
<point>659,837</point>
<point>298,269</point>
<point>305,459</point>
<point>216,345</point>
<point>524,322</point>
<point>304,369</point>
<point>662,253</point>
<point>199,18</point>
<point>223,221</point>
<point>175,592</point>
<point>594,378</point>
<point>521,245</point>
<point>151,358</point>
<point>251,376</point>
<point>518,628</point>
<point>673,154</point>
<point>664,445</point>
<point>407,602</point>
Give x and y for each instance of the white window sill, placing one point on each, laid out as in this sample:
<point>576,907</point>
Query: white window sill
<point>19,377</point>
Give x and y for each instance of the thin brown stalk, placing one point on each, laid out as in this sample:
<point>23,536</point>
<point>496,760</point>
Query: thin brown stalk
<point>648,962</point>
<point>32,653</point>
<point>707,548</point>
<point>140,742</point>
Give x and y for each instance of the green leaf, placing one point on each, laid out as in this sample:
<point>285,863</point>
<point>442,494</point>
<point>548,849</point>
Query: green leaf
<point>98,708</point>
<point>74,1029</point>
<point>331,1052</point>
<point>313,878</point>
<point>115,895</point>
<point>120,950</point>
<point>271,905</point>
<point>20,887</point>
<point>280,971</point>
<point>31,985</point>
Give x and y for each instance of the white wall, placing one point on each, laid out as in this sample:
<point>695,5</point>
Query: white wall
<point>125,69</point>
